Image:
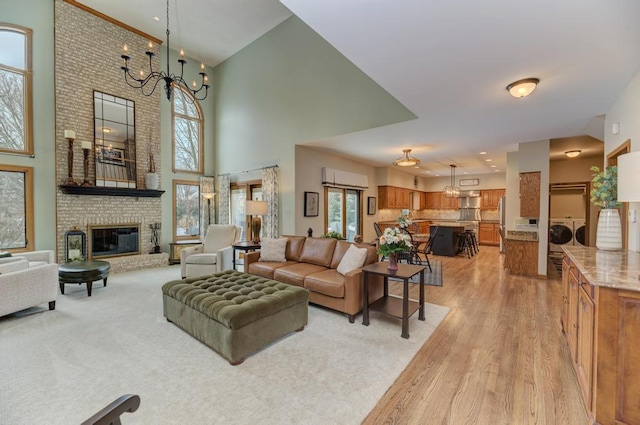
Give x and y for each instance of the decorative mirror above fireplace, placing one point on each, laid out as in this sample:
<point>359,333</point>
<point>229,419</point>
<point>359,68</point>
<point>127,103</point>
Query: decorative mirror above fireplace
<point>115,141</point>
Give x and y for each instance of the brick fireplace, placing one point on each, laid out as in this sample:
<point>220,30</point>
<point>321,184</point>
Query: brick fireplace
<point>87,58</point>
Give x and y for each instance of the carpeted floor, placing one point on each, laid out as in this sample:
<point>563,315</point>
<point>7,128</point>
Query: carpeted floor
<point>62,366</point>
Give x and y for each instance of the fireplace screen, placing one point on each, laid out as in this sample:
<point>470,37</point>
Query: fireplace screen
<point>111,241</point>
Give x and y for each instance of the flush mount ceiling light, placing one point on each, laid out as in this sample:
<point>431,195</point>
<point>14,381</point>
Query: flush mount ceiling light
<point>574,153</point>
<point>406,160</point>
<point>452,191</point>
<point>522,88</point>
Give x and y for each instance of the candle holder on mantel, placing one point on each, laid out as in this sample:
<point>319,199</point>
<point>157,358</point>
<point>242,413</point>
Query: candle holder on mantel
<point>70,135</point>
<point>86,147</point>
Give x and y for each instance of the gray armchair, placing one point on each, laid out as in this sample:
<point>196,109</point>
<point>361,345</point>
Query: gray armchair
<point>214,255</point>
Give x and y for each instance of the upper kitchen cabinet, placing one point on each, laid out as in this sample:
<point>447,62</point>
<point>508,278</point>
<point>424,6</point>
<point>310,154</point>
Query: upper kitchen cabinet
<point>490,198</point>
<point>530,194</point>
<point>390,197</point>
<point>449,203</point>
<point>432,200</point>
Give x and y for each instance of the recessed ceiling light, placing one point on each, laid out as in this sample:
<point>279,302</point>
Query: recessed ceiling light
<point>155,18</point>
<point>483,153</point>
<point>465,173</point>
<point>493,166</point>
<point>488,159</point>
<point>496,171</point>
<point>437,175</point>
<point>106,129</point>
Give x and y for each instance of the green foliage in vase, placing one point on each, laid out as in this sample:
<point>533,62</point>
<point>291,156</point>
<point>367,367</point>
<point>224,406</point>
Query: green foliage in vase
<point>334,235</point>
<point>604,192</point>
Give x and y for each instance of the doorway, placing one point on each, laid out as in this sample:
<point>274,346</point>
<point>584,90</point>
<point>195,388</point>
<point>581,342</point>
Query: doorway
<point>612,159</point>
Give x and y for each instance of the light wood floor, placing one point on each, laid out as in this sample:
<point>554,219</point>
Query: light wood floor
<point>499,357</point>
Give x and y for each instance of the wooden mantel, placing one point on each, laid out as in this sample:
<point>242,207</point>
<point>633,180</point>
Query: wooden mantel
<point>110,191</point>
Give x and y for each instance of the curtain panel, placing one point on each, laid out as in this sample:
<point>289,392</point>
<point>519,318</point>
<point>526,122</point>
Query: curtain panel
<point>224,199</point>
<point>270,194</point>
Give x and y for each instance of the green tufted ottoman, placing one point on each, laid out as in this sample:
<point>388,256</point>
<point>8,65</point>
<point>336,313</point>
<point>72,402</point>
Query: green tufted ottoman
<point>235,313</point>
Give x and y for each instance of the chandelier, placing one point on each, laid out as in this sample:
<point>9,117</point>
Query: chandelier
<point>154,77</point>
<point>452,191</point>
<point>406,160</point>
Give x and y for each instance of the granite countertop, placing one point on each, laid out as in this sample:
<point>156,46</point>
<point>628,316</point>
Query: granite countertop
<point>519,235</point>
<point>611,269</point>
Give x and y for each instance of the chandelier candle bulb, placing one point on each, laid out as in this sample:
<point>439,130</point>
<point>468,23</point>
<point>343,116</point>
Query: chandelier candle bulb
<point>69,134</point>
<point>86,144</point>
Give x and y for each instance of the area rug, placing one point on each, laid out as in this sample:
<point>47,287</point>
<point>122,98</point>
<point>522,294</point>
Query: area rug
<point>433,278</point>
<point>62,366</point>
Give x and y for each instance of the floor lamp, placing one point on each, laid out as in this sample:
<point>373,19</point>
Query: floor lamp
<point>207,192</point>
<point>256,209</point>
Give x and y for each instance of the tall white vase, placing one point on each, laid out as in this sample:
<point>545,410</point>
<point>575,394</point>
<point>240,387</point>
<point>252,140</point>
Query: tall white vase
<point>609,232</point>
<point>151,181</point>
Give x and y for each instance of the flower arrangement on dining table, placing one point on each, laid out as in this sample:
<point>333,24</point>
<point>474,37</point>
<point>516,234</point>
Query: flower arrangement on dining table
<point>404,222</point>
<point>393,240</point>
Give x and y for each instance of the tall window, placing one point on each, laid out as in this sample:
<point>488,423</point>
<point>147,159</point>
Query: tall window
<point>186,213</point>
<point>187,132</point>
<point>343,211</point>
<point>240,194</point>
<point>16,214</point>
<point>16,81</point>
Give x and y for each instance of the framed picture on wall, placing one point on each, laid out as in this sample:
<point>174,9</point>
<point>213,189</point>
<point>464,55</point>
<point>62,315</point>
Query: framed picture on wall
<point>311,203</point>
<point>371,205</point>
<point>113,156</point>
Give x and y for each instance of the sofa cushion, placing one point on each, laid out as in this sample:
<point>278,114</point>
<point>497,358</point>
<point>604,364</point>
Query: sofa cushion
<point>295,274</point>
<point>327,282</point>
<point>266,268</point>
<point>273,249</point>
<point>353,259</point>
<point>204,258</point>
<point>14,266</point>
<point>294,247</point>
<point>33,264</point>
<point>318,251</point>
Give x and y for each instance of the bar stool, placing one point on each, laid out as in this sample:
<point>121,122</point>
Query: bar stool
<point>464,244</point>
<point>473,241</point>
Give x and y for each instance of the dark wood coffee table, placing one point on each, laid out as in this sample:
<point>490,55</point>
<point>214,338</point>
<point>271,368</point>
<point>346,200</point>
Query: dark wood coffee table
<point>83,272</point>
<point>390,305</point>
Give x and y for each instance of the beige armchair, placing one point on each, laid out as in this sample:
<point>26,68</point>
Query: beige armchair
<point>28,280</point>
<point>214,255</point>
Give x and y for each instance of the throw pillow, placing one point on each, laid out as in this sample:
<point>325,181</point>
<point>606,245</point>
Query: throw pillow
<point>353,259</point>
<point>5,254</point>
<point>273,249</point>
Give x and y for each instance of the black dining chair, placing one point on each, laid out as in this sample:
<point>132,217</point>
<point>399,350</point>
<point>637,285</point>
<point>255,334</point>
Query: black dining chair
<point>429,246</point>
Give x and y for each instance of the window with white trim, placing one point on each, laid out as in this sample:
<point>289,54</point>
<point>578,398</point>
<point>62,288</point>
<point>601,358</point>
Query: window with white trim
<point>188,125</point>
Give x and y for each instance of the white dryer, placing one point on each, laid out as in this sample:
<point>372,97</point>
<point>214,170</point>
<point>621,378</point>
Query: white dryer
<point>579,232</point>
<point>560,233</point>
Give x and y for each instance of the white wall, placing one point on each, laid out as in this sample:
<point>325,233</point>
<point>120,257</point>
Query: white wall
<point>626,111</point>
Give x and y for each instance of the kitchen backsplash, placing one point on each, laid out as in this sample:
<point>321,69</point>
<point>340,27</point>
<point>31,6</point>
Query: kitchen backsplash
<point>391,215</point>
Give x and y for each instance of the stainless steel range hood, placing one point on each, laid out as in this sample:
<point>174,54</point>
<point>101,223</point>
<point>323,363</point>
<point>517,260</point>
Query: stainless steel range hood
<point>469,202</point>
<point>470,194</point>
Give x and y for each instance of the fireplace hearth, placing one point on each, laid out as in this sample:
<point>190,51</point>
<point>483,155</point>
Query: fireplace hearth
<point>114,240</point>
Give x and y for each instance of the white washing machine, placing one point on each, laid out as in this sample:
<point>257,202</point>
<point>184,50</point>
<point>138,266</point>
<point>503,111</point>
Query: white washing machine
<point>579,232</point>
<point>560,233</point>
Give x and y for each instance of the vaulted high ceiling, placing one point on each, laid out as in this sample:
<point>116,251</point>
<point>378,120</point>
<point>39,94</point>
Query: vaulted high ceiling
<point>448,61</point>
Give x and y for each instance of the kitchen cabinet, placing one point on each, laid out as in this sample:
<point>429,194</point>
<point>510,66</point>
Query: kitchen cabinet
<point>423,227</point>
<point>521,257</point>
<point>390,197</point>
<point>602,327</point>
<point>530,194</point>
<point>488,234</point>
<point>490,198</point>
<point>449,203</point>
<point>432,200</point>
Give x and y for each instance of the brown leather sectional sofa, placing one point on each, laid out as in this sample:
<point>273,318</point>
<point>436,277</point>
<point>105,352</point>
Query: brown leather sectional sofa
<point>311,263</point>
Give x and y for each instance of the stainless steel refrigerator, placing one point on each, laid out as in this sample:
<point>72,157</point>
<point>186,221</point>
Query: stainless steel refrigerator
<point>502,207</point>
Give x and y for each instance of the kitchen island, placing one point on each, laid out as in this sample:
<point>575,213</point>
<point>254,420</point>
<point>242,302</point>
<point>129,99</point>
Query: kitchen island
<point>601,322</point>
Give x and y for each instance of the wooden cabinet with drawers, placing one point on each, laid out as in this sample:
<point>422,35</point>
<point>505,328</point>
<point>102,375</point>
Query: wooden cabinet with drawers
<point>391,197</point>
<point>521,257</point>
<point>602,328</point>
<point>488,234</point>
